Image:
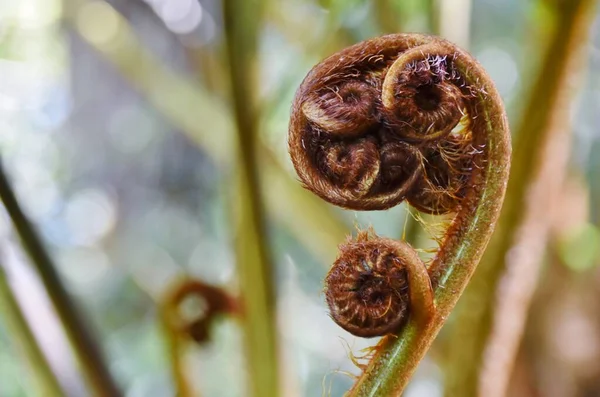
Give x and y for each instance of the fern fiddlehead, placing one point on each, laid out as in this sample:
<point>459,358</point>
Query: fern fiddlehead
<point>402,117</point>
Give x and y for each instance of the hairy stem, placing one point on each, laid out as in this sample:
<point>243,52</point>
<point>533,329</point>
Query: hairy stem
<point>87,351</point>
<point>490,323</point>
<point>44,379</point>
<point>241,19</point>
<point>397,357</point>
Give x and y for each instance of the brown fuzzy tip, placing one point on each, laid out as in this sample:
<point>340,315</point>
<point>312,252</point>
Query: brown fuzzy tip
<point>370,126</point>
<point>367,288</point>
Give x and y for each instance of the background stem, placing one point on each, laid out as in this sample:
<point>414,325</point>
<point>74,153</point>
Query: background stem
<point>241,22</point>
<point>175,348</point>
<point>87,351</point>
<point>453,21</point>
<point>42,375</point>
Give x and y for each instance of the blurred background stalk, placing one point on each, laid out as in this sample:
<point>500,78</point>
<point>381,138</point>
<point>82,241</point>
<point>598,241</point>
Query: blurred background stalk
<point>452,20</point>
<point>242,19</point>
<point>490,317</point>
<point>433,16</point>
<point>389,20</point>
<point>41,375</point>
<point>88,353</point>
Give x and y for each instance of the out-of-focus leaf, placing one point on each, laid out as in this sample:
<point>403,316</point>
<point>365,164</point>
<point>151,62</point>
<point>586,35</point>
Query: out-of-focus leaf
<point>579,249</point>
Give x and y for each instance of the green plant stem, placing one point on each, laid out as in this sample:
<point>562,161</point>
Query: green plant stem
<point>87,351</point>
<point>491,318</point>
<point>197,115</point>
<point>396,357</point>
<point>256,272</point>
<point>42,375</point>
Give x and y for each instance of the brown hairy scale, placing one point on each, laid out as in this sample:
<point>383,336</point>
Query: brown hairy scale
<point>383,121</point>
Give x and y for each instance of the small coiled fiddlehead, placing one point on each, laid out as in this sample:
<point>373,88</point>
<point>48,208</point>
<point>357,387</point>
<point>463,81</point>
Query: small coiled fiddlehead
<point>375,283</point>
<point>402,117</point>
<point>188,310</point>
<point>210,302</point>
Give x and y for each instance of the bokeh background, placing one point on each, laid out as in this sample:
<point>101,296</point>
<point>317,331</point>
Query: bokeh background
<point>117,133</point>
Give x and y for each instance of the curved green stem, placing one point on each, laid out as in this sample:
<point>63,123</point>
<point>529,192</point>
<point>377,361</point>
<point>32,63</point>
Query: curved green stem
<point>87,351</point>
<point>396,358</point>
<point>42,375</point>
<point>421,294</point>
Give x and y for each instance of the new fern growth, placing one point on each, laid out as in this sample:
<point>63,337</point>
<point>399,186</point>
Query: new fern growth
<point>402,117</point>
<point>181,326</point>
